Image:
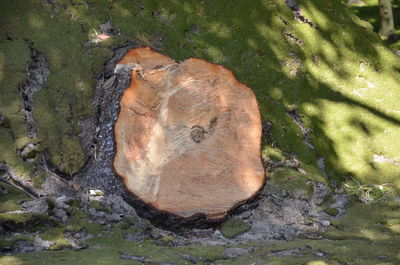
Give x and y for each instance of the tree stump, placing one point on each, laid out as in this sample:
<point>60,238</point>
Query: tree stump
<point>188,136</point>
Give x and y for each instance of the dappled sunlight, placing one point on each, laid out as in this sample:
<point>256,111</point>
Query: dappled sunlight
<point>36,22</point>
<point>221,30</point>
<point>374,235</point>
<point>330,68</point>
<point>8,260</point>
<point>216,54</point>
<point>316,262</point>
<point>394,226</point>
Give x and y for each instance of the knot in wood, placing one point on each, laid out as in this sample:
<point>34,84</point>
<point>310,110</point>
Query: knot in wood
<point>198,134</point>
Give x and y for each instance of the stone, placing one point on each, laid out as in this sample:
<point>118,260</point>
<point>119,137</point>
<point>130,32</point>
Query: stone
<point>23,246</point>
<point>326,223</point>
<point>114,217</point>
<point>235,252</point>
<point>29,151</point>
<point>45,244</point>
<point>118,205</point>
<point>60,213</point>
<point>245,214</point>
<point>188,136</point>
<point>2,120</point>
<point>35,206</point>
<point>137,238</point>
<point>61,202</point>
<point>319,254</point>
<point>234,227</point>
<point>109,29</point>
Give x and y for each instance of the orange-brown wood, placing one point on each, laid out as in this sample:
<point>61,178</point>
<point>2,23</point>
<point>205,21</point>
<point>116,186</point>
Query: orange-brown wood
<point>188,136</point>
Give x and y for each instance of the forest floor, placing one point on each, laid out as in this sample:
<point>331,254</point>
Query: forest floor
<point>367,234</point>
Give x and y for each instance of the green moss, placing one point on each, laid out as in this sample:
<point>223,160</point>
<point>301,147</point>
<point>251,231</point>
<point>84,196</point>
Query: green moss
<point>79,219</point>
<point>331,211</point>
<point>369,222</point>
<point>14,56</point>
<point>57,236</point>
<point>93,228</point>
<point>368,234</point>
<point>205,253</point>
<point>9,201</point>
<point>16,218</point>
<point>292,181</point>
<point>74,203</point>
<point>337,224</point>
<point>167,239</point>
<point>39,179</point>
<point>96,205</point>
<point>233,227</point>
<point>126,223</point>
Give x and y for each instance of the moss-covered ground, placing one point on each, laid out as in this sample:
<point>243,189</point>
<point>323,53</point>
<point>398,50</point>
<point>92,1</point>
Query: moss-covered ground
<point>368,234</point>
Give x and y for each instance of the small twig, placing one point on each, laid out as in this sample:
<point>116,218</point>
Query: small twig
<point>95,151</point>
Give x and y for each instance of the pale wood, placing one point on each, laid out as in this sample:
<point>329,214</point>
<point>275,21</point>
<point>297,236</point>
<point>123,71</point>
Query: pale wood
<point>188,136</point>
<point>386,14</point>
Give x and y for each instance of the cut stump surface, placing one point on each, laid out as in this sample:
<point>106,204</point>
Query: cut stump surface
<point>188,136</point>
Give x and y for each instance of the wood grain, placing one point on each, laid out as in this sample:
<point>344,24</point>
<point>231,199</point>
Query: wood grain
<point>188,136</point>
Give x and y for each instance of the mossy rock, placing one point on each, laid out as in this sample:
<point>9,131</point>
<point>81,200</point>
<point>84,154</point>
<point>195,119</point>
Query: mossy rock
<point>126,223</point>
<point>57,236</point>
<point>14,221</point>
<point>291,180</point>
<point>7,243</point>
<point>233,227</point>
